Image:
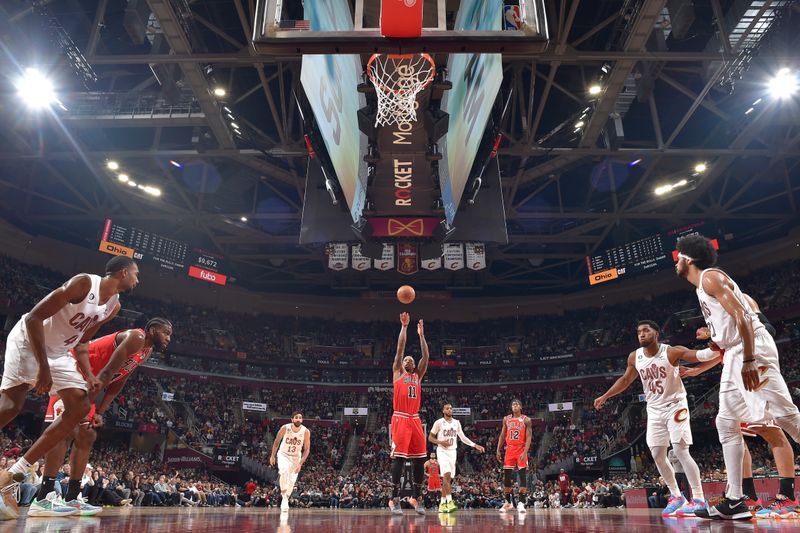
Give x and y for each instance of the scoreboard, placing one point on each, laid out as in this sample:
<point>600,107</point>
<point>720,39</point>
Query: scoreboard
<point>650,253</point>
<point>162,251</point>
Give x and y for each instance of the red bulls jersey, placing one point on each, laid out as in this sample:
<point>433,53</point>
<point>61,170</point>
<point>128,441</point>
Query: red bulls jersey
<point>407,394</point>
<point>516,432</point>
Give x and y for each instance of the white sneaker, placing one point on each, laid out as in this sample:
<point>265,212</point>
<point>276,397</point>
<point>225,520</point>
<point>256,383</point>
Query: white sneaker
<point>52,505</point>
<point>506,508</point>
<point>83,507</point>
<point>521,508</point>
<point>284,504</point>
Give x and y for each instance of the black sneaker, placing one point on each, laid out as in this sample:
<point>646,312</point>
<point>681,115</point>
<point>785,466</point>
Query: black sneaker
<point>730,509</point>
<point>703,513</point>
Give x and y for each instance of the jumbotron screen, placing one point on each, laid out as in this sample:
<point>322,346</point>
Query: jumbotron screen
<point>650,253</point>
<point>177,256</point>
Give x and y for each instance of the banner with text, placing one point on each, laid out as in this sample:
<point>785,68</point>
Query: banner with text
<point>167,396</point>
<point>356,411</point>
<point>476,255</point>
<point>254,406</point>
<point>338,254</point>
<point>386,262</point>
<point>407,258</point>
<point>359,262</point>
<point>454,256</point>
<point>462,411</point>
<point>563,406</point>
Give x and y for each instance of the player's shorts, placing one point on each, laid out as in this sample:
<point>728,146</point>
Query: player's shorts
<point>287,464</point>
<point>20,366</point>
<point>771,401</point>
<point>56,407</point>
<point>665,426</point>
<point>514,458</point>
<point>447,461</point>
<point>408,439</point>
<point>434,483</point>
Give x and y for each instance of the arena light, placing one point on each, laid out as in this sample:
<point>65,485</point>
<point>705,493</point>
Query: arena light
<point>243,219</point>
<point>112,165</point>
<point>700,168</point>
<point>634,162</point>
<point>579,124</point>
<point>595,89</point>
<point>152,191</point>
<point>36,90</point>
<point>669,187</point>
<point>175,163</point>
<point>784,84</point>
<point>220,92</point>
<point>123,178</point>
<point>131,183</point>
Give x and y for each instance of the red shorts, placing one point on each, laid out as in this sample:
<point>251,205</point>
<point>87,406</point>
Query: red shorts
<point>56,407</point>
<point>408,439</point>
<point>515,459</point>
<point>434,483</point>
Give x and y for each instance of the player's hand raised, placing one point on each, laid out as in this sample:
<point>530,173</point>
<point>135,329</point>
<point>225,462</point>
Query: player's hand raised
<point>405,319</point>
<point>599,402</point>
<point>420,328</point>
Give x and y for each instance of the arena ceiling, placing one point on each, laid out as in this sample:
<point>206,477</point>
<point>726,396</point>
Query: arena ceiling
<point>699,98</point>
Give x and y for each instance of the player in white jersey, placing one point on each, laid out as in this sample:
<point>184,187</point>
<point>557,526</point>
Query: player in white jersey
<point>752,389</point>
<point>292,439</point>
<point>657,365</point>
<point>445,434</point>
<point>38,353</point>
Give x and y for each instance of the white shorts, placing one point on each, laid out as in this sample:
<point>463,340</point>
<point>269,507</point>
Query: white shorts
<point>447,461</point>
<point>20,366</point>
<point>287,464</point>
<point>772,400</point>
<point>668,426</point>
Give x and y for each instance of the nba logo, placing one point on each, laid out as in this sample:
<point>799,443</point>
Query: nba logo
<point>511,18</point>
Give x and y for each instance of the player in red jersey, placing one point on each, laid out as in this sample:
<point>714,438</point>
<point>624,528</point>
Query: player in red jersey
<point>408,439</point>
<point>434,479</point>
<point>516,434</point>
<point>112,359</point>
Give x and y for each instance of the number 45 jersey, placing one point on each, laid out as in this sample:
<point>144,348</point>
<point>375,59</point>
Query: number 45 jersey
<point>661,380</point>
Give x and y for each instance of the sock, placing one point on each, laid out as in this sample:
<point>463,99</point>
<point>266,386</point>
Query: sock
<point>523,498</point>
<point>449,498</point>
<point>787,487</point>
<point>509,498</point>
<point>442,499</point>
<point>514,500</point>
<point>416,490</point>
<point>749,488</point>
<point>48,486</point>
<point>22,466</point>
<point>395,490</point>
<point>73,489</point>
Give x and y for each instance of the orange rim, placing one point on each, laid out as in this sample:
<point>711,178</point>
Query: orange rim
<point>383,87</point>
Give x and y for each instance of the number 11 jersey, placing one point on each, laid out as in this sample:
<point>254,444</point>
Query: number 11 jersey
<point>661,380</point>
<point>407,393</point>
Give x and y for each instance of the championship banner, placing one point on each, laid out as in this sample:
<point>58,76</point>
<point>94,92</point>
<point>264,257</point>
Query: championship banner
<point>462,411</point>
<point>563,406</point>
<point>167,396</point>
<point>407,258</point>
<point>359,262</point>
<point>432,264</point>
<point>403,226</point>
<point>476,80</point>
<point>476,255</point>
<point>386,262</point>
<point>254,406</point>
<point>356,411</point>
<point>337,255</point>
<point>454,256</point>
<point>330,83</point>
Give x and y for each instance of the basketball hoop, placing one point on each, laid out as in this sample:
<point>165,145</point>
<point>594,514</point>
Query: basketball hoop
<point>398,78</point>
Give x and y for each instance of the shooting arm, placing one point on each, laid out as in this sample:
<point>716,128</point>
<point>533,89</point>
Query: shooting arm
<point>397,367</point>
<point>423,362</point>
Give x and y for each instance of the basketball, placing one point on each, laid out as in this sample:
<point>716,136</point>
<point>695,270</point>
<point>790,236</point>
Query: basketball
<point>406,294</point>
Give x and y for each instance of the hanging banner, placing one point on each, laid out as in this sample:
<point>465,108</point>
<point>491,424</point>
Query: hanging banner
<point>386,262</point>
<point>476,255</point>
<point>254,406</point>
<point>454,256</point>
<point>403,226</point>
<point>462,411</point>
<point>563,406</point>
<point>356,411</point>
<point>167,396</point>
<point>359,262</point>
<point>337,253</point>
<point>407,258</point>
<point>432,264</point>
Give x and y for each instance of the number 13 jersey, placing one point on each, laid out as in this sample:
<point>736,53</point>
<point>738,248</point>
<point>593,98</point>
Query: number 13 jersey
<point>661,380</point>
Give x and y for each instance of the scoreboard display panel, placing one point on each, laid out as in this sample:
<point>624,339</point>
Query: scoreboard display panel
<point>169,254</point>
<point>653,252</point>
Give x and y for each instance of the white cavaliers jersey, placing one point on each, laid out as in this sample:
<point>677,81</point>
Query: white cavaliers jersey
<point>292,443</point>
<point>65,329</point>
<point>660,379</point>
<point>447,432</point>
<point>720,323</point>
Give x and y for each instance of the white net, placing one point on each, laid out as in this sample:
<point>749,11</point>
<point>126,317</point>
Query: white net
<point>398,79</point>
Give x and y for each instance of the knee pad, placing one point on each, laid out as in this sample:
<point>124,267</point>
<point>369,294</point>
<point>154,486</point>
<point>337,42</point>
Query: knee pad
<point>508,477</point>
<point>730,431</point>
<point>523,478</point>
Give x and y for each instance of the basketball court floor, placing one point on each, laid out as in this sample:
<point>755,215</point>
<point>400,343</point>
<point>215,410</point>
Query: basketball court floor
<point>135,520</point>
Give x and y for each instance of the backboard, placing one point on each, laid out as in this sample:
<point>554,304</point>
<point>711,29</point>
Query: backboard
<point>281,29</point>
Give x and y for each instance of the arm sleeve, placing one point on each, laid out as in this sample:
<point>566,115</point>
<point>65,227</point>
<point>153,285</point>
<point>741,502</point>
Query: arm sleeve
<point>706,354</point>
<point>463,437</point>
